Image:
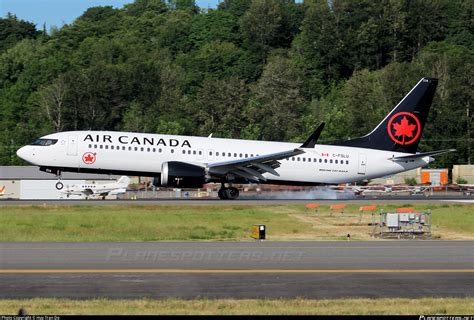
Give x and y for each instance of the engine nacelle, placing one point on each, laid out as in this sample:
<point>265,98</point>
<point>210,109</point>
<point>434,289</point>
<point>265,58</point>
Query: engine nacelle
<point>182,175</point>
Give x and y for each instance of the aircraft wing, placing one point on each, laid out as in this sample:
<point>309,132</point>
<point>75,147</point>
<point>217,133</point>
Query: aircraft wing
<point>252,168</point>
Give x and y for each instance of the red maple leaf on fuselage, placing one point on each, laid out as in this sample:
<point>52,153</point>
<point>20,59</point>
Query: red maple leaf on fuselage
<point>89,158</point>
<point>404,128</point>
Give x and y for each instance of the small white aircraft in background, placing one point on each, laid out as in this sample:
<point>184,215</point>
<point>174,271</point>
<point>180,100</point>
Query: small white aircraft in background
<point>378,188</point>
<point>467,189</point>
<point>96,190</point>
<point>3,192</point>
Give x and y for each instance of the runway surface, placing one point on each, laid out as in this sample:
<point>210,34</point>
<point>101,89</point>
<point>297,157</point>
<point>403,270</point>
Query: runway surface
<point>238,269</point>
<point>244,201</point>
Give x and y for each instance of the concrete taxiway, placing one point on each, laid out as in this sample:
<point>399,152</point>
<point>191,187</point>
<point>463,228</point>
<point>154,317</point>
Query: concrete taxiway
<point>322,269</point>
<point>246,201</point>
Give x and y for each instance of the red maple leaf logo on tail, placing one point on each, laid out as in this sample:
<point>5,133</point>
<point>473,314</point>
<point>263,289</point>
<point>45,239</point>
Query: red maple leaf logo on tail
<point>405,132</point>
<point>404,129</point>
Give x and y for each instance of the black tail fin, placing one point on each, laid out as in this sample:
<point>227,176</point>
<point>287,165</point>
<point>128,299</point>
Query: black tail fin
<point>401,129</point>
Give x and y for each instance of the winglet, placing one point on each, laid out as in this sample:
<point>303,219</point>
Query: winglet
<point>311,141</point>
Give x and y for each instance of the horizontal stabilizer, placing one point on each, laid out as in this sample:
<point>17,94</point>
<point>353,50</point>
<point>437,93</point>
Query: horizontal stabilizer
<point>421,155</point>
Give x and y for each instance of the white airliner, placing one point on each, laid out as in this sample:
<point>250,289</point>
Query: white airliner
<point>96,189</point>
<point>190,162</point>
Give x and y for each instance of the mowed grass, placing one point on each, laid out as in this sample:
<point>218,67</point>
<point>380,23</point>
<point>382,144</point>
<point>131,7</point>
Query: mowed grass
<point>431,306</point>
<point>140,223</point>
<point>221,222</point>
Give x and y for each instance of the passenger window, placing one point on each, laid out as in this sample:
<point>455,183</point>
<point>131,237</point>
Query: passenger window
<point>129,148</point>
<point>217,153</point>
<point>347,161</point>
<point>100,147</point>
<point>200,152</point>
<point>90,146</point>
<point>154,150</point>
<point>136,148</point>
<point>240,155</point>
<point>304,159</point>
<point>172,150</point>
<point>194,152</point>
<point>229,154</point>
<point>123,148</point>
<point>112,147</point>
<point>184,151</point>
<point>325,160</point>
<point>335,161</point>
<point>246,155</point>
<point>330,161</point>
<point>160,150</point>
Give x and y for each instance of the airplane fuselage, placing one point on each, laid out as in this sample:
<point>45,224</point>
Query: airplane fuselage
<point>143,154</point>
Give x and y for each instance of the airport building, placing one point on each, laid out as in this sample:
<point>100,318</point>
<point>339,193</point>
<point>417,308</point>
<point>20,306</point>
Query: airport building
<point>463,172</point>
<point>28,182</point>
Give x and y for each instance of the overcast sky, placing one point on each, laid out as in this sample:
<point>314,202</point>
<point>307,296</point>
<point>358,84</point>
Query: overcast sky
<point>59,12</point>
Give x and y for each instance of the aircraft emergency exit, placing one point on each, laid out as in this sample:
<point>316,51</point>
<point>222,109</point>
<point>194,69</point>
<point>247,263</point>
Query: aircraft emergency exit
<point>190,162</point>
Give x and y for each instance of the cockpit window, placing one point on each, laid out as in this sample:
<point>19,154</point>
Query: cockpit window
<point>44,142</point>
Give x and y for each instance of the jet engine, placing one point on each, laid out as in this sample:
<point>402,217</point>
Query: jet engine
<point>182,175</point>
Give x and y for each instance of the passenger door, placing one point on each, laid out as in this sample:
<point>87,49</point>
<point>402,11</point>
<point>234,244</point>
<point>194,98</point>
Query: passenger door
<point>72,145</point>
<point>362,163</point>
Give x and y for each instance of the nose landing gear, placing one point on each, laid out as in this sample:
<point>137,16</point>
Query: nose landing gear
<point>59,184</point>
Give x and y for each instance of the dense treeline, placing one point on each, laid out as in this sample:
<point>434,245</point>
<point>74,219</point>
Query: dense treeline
<point>253,69</point>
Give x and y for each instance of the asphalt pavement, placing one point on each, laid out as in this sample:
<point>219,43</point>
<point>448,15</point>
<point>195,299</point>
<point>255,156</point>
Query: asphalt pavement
<point>259,269</point>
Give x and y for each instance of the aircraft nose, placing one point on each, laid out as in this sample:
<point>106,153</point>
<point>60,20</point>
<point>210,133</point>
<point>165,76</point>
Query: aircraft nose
<point>25,153</point>
<point>21,153</point>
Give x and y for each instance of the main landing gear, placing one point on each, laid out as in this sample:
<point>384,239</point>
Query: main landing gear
<point>230,193</point>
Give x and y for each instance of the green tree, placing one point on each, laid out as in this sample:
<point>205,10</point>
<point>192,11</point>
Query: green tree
<point>235,7</point>
<point>13,30</point>
<point>219,107</point>
<point>260,25</point>
<point>278,105</point>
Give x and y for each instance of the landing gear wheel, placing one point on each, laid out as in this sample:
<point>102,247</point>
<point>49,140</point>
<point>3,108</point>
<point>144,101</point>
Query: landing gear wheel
<point>59,185</point>
<point>232,193</point>
<point>222,193</point>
